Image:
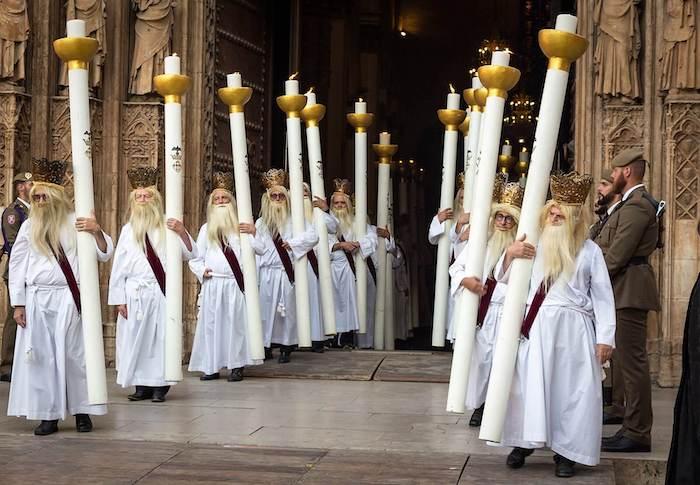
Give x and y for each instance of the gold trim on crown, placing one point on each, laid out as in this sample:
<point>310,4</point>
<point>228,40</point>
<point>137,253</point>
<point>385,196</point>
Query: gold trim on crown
<point>143,176</point>
<point>222,180</point>
<point>571,188</point>
<point>49,171</point>
<point>498,184</point>
<point>274,177</point>
<point>512,194</point>
<point>342,186</point>
<point>460,181</point>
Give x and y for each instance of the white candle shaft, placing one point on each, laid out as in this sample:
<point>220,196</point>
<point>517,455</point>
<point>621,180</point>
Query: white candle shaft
<point>313,142</point>
<point>383,174</point>
<point>474,133</point>
<point>174,201</point>
<point>468,302</point>
<point>361,107</point>
<point>506,348</point>
<point>239,147</point>
<point>524,157</point>
<point>442,277</point>
<point>566,22</point>
<point>87,259</point>
<point>291,87</point>
<point>234,80</point>
<point>361,224</point>
<point>384,138</point>
<point>453,101</point>
<point>507,150</point>
<point>310,99</point>
<point>75,28</point>
<point>171,65</point>
<point>389,321</point>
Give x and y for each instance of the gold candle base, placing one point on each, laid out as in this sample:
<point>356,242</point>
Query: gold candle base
<point>505,162</point>
<point>464,127</point>
<point>451,118</point>
<point>562,48</point>
<point>235,98</point>
<point>499,79</point>
<point>77,52</point>
<point>385,152</point>
<point>313,114</point>
<point>171,86</point>
<point>292,104</point>
<point>360,121</point>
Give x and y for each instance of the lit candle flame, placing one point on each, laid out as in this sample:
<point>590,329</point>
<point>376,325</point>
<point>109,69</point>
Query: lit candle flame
<point>293,76</point>
<point>452,89</point>
<point>507,142</point>
<point>311,90</point>
<point>360,100</point>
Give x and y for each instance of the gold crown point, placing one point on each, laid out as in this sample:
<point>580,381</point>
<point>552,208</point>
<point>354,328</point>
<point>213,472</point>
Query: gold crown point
<point>571,188</point>
<point>274,177</point>
<point>143,176</point>
<point>342,186</point>
<point>222,180</point>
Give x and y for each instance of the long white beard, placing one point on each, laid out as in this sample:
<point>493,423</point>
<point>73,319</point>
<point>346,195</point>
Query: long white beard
<point>50,227</point>
<point>346,219</point>
<point>498,243</point>
<point>221,222</point>
<point>147,219</point>
<point>308,210</point>
<point>275,217</point>
<point>558,252</point>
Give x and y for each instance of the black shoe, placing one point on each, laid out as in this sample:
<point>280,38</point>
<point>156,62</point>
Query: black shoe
<point>284,357</point>
<point>5,378</point>
<point>142,393</point>
<point>610,419</point>
<point>476,417</point>
<point>210,377</point>
<point>83,423</point>
<point>236,375</point>
<point>564,467</point>
<point>159,393</point>
<point>317,347</point>
<point>625,445</point>
<point>516,458</point>
<point>268,353</point>
<point>46,427</point>
<point>619,434</point>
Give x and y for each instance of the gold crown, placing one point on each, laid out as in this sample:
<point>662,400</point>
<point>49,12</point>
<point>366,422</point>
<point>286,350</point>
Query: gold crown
<point>498,185</point>
<point>342,186</point>
<point>222,180</point>
<point>274,177</point>
<point>143,176</point>
<point>49,171</point>
<point>460,181</point>
<point>512,194</point>
<point>571,188</point>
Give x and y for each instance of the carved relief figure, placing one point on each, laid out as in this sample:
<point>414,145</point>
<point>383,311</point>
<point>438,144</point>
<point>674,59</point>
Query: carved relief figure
<point>618,44</point>
<point>14,33</point>
<point>680,65</point>
<point>93,12</point>
<point>153,29</point>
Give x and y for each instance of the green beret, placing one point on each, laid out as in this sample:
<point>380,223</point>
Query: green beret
<point>22,177</point>
<point>606,174</point>
<point>628,156</point>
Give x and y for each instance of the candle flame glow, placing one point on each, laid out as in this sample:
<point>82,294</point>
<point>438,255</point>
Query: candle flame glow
<point>293,76</point>
<point>311,90</point>
<point>452,89</point>
<point>360,100</point>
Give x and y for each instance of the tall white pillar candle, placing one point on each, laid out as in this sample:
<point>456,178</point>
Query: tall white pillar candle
<point>475,118</point>
<point>389,320</point>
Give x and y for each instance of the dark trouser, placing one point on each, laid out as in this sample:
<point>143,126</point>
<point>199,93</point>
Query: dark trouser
<point>631,369</point>
<point>9,331</point>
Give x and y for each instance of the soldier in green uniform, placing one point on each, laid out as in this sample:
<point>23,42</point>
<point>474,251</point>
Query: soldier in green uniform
<point>628,237</point>
<point>12,217</point>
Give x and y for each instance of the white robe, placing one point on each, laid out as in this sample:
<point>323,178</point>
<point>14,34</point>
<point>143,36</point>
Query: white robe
<point>277,304</point>
<point>556,397</point>
<point>141,336</point>
<point>220,340</point>
<point>366,340</point>
<point>485,336</point>
<point>401,289</point>
<point>48,376</point>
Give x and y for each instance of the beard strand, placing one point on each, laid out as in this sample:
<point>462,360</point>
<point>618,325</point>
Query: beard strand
<point>498,243</point>
<point>557,247</point>
<point>275,215</point>
<point>50,228</point>
<point>346,219</point>
<point>308,210</point>
<point>147,218</point>
<point>222,221</point>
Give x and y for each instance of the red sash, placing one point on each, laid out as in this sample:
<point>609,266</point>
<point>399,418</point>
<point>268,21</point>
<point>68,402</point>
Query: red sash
<point>313,261</point>
<point>348,256</point>
<point>372,269</point>
<point>534,309</point>
<point>156,265</point>
<point>67,271</point>
<point>233,263</point>
<point>485,301</point>
<point>284,257</point>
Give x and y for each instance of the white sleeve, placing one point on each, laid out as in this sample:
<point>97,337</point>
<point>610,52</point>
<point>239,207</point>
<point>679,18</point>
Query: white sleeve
<point>109,251</point>
<point>186,253</point>
<point>458,271</point>
<point>197,263</point>
<point>603,299</point>
<point>331,222</point>
<point>18,264</point>
<point>368,242</point>
<point>304,243</point>
<point>435,230</point>
<point>256,242</point>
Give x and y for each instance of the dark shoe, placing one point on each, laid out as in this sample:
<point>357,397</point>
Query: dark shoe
<point>317,347</point>
<point>5,378</point>
<point>284,357</point>
<point>83,423</point>
<point>620,432</point>
<point>46,427</point>
<point>516,458</point>
<point>564,467</point>
<point>268,353</point>
<point>210,377</point>
<point>610,419</point>
<point>159,393</point>
<point>142,393</point>
<point>625,445</point>
<point>476,417</point>
<point>236,375</point>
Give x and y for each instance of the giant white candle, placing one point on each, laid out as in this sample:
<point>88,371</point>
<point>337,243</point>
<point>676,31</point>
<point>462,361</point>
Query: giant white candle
<point>562,46</point>
<point>235,96</point>
<point>77,51</point>
<point>389,321</point>
<point>451,118</point>
<point>475,117</point>
<point>292,103</point>
<point>312,115</point>
<point>498,78</point>
<point>507,149</point>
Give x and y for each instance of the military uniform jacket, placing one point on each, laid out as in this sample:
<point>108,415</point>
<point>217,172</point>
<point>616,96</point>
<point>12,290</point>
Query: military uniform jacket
<point>627,239</point>
<point>12,218</point>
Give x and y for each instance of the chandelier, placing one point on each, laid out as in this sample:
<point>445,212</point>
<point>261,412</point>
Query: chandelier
<point>521,110</point>
<point>488,47</point>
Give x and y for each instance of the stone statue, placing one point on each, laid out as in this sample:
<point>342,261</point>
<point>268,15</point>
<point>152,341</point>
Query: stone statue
<point>617,47</point>
<point>14,34</point>
<point>153,28</point>
<point>680,63</point>
<point>94,13</point>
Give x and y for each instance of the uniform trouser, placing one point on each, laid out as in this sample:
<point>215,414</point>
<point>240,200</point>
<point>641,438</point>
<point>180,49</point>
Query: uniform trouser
<point>9,331</point>
<point>631,380</point>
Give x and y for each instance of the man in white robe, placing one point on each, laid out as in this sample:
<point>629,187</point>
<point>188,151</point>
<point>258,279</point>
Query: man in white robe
<point>505,214</point>
<point>276,264</point>
<point>137,288</point>
<point>49,380</point>
<point>221,338</point>
<point>556,396</point>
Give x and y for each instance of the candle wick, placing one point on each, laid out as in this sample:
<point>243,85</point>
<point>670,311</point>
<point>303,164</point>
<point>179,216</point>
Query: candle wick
<point>293,76</point>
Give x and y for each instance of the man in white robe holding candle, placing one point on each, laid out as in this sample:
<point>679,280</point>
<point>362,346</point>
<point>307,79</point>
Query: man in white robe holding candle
<point>49,380</point>
<point>137,288</point>
<point>220,340</point>
<point>505,214</point>
<point>568,333</point>
<point>276,264</point>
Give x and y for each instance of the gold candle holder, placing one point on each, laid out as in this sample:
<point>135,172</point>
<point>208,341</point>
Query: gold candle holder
<point>464,126</point>
<point>562,48</point>
<point>235,98</point>
<point>505,163</point>
<point>499,79</point>
<point>292,104</point>
<point>475,98</point>
<point>171,86</point>
<point>451,118</point>
<point>76,52</point>
<point>385,152</point>
<point>360,121</point>
<point>313,114</point>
